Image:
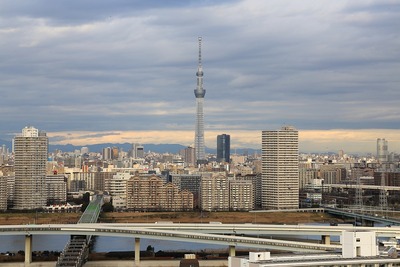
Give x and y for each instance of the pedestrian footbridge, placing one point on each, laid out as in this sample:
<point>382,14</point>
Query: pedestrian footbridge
<point>77,249</point>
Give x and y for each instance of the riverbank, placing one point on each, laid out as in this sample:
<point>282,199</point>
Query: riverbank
<point>13,218</point>
<point>223,217</point>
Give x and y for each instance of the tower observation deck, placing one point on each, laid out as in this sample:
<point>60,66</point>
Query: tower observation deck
<point>199,93</point>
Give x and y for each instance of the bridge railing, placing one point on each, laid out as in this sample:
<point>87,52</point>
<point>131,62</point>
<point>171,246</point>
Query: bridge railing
<point>92,211</point>
<point>90,215</point>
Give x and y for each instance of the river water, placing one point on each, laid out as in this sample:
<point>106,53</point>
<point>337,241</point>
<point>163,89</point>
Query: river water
<point>102,244</point>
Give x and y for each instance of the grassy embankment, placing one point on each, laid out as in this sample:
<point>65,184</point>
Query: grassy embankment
<point>13,218</point>
<point>176,217</point>
<point>223,217</point>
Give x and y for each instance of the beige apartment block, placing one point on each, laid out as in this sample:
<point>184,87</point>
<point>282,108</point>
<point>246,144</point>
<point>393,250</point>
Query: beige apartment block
<point>241,195</point>
<point>332,173</point>
<point>3,191</point>
<point>146,193</point>
<point>214,193</point>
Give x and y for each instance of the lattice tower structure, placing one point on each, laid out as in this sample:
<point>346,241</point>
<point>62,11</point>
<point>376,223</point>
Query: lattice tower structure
<point>199,93</point>
<point>382,192</point>
<point>359,200</point>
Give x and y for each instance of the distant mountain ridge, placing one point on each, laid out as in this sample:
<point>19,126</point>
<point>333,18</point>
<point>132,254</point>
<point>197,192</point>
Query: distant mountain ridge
<point>158,148</point>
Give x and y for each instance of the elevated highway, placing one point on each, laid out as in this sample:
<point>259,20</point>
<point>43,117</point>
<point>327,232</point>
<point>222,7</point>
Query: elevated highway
<point>165,234</point>
<point>354,186</point>
<point>231,235</point>
<point>263,229</point>
<point>362,217</point>
<point>264,236</point>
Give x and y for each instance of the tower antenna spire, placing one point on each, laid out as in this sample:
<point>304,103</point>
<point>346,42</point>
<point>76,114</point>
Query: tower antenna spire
<point>200,51</point>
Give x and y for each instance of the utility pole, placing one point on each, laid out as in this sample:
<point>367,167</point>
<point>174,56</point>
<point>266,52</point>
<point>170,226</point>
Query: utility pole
<point>359,200</point>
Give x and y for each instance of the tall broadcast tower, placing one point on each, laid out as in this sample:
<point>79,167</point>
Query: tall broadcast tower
<point>199,92</point>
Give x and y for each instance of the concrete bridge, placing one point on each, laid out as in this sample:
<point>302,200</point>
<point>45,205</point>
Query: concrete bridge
<point>221,234</point>
<point>163,234</point>
<point>232,235</point>
<point>357,215</point>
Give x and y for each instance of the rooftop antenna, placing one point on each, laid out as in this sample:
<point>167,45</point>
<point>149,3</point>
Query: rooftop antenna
<point>200,51</point>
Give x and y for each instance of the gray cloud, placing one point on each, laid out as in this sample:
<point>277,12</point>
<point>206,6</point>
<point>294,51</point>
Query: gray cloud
<point>130,65</point>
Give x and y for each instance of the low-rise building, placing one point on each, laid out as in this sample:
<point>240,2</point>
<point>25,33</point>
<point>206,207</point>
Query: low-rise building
<point>358,249</point>
<point>116,187</point>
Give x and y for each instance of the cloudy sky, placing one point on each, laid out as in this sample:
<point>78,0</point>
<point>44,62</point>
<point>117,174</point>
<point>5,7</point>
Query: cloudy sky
<point>96,71</point>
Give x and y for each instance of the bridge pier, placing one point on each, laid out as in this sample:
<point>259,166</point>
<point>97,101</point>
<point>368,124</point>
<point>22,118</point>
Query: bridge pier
<point>28,249</point>
<point>137,251</point>
<point>368,223</point>
<point>326,239</point>
<point>232,251</point>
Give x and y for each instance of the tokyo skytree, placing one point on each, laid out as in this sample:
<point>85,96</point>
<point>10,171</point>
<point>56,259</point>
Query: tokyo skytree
<point>199,92</point>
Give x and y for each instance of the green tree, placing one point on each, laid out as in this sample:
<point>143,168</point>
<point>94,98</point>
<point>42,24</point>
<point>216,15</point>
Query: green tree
<point>86,197</point>
<point>108,207</point>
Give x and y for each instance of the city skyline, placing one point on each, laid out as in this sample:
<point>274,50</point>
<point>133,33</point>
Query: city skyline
<point>124,71</point>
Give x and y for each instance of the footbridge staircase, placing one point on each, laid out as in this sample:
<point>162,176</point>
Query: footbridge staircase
<point>76,251</point>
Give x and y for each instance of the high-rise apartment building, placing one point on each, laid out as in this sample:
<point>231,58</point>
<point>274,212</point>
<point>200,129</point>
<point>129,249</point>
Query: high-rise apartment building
<point>189,156</point>
<point>107,153</point>
<point>223,148</point>
<point>114,152</point>
<point>30,149</point>
<point>137,151</point>
<point>199,92</point>
<point>280,169</point>
<point>382,153</point>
